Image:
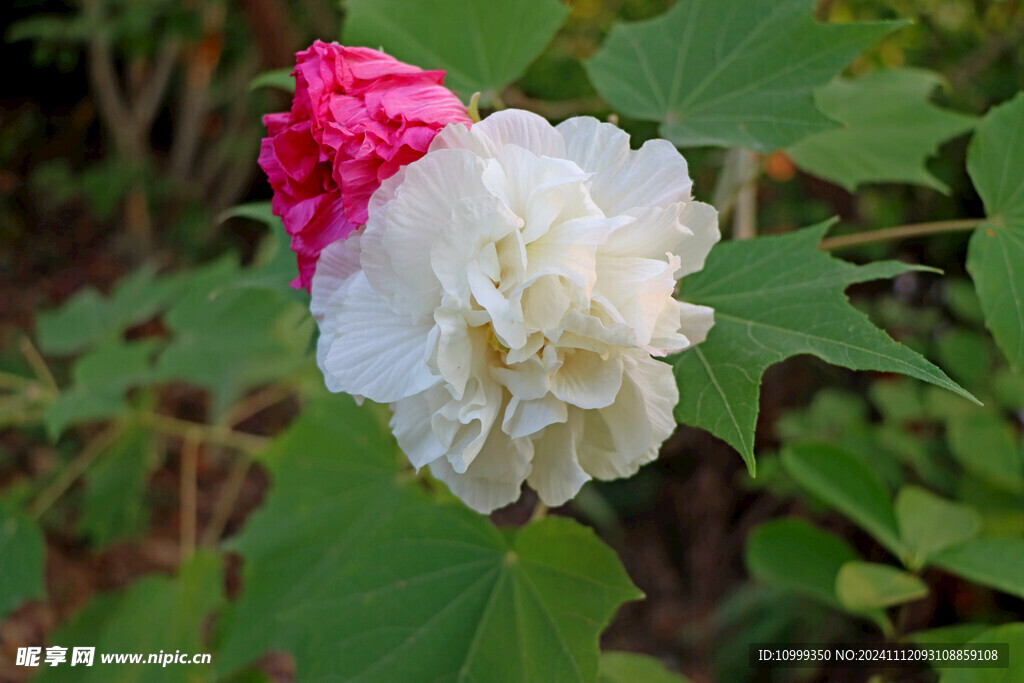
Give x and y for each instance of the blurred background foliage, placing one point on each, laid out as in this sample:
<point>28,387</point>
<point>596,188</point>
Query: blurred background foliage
<point>147,349</point>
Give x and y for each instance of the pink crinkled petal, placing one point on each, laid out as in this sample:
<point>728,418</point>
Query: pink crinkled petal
<point>358,115</point>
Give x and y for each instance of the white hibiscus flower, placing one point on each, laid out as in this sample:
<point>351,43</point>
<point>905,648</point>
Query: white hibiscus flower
<point>506,297</point>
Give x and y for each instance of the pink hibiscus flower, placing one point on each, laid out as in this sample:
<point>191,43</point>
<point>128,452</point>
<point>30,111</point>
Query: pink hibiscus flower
<point>358,115</point>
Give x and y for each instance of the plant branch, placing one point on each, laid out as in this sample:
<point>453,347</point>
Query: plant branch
<point>188,493</point>
<point>258,402</point>
<point>201,60</point>
<point>70,474</point>
<point>901,232</point>
<point>557,109</point>
<point>8,380</point>
<point>38,365</point>
<point>111,102</point>
<point>744,225</point>
<point>212,434</point>
<point>148,102</point>
<point>227,500</point>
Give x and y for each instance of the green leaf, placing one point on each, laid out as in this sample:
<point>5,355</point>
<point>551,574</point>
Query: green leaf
<point>728,72</point>
<point>352,568</point>
<point>987,447</point>
<point>862,586</point>
<point>1002,512</point>
<point>1013,635</point>
<point>929,524</point>
<point>958,633</point>
<point>274,266</point>
<point>228,339</point>
<point>482,46</point>
<point>792,554</point>
<point>994,562</point>
<point>114,505</point>
<point>261,212</point>
<point>967,355</point>
<point>87,317</point>
<point>99,382</point>
<point>626,667</point>
<point>995,257</point>
<point>962,300</point>
<point>275,78</point>
<point>22,558</point>
<point>776,297</point>
<point>889,128</point>
<point>842,481</point>
<point>899,401</point>
<point>154,614</point>
<point>1008,386</point>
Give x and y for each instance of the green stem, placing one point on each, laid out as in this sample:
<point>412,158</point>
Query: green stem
<point>226,502</point>
<point>38,365</point>
<point>212,434</point>
<point>9,380</point>
<point>188,493</point>
<point>901,232</point>
<point>473,110</point>
<point>75,469</point>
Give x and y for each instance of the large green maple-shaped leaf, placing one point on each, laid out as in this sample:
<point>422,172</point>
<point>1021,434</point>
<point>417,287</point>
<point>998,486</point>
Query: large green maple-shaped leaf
<point>89,317</point>
<point>995,257</point>
<point>889,128</point>
<point>481,45</point>
<point>352,568</point>
<point>229,336</point>
<point>628,667</point>
<point>100,379</point>
<point>22,559</point>
<point>776,297</point>
<point>728,72</point>
<point>156,614</point>
<point>114,505</point>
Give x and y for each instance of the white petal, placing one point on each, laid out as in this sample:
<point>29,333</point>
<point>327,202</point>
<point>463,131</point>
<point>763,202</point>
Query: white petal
<point>569,249</point>
<point>639,288</point>
<point>654,233</point>
<point>655,175</point>
<point>334,269</point>
<point>510,126</point>
<point>596,147</point>
<point>618,439</point>
<point>667,337</point>
<point>545,302</point>
<point>474,223</point>
<point>411,424</point>
<point>396,241</point>
<point>538,189</point>
<point>556,474</point>
<point>702,220</point>
<point>328,332</point>
<point>523,418</point>
<point>376,352</point>
<point>695,321</point>
<point>495,477</point>
<point>526,381</point>
<point>386,192</point>
<point>456,136</point>
<point>454,355</point>
<point>598,330</point>
<point>464,424</point>
<point>533,344</point>
<point>586,380</point>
